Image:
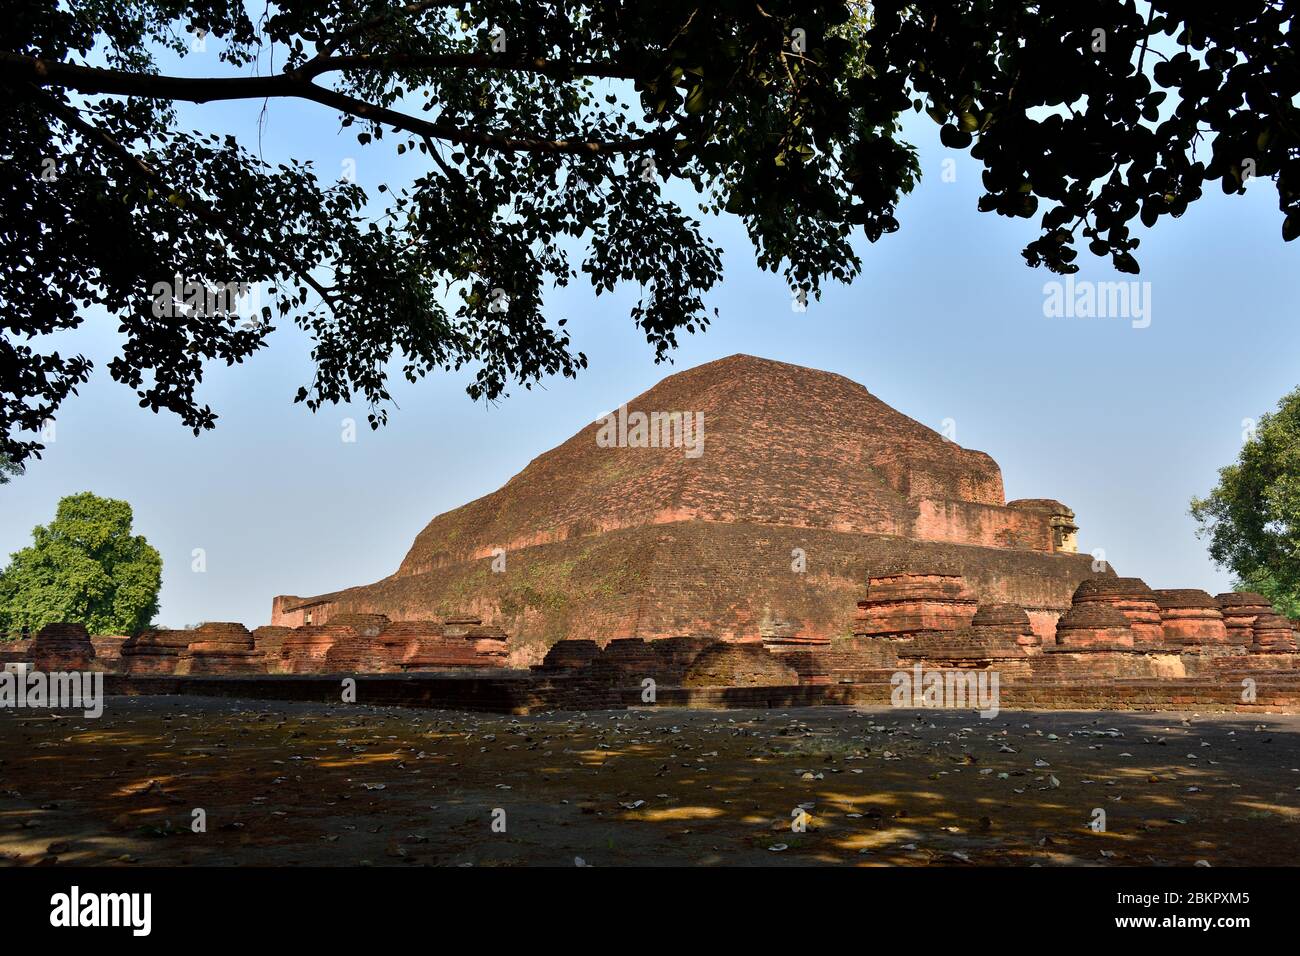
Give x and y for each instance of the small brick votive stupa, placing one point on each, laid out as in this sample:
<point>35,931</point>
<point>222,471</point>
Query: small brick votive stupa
<point>739,664</point>
<point>223,648</point>
<point>900,602</point>
<point>626,661</point>
<point>1274,634</point>
<point>360,649</point>
<point>61,647</point>
<point>157,651</point>
<point>995,642</point>
<point>1093,627</point>
<point>305,649</point>
<point>268,641</point>
<point>570,654</point>
<point>459,642</point>
<point>1007,622</point>
<point>1132,598</point>
<point>1191,618</point>
<point>1240,609</point>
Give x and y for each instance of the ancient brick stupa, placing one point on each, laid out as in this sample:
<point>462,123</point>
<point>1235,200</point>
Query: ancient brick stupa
<point>62,647</point>
<point>1240,611</point>
<point>1191,617</point>
<point>223,648</point>
<point>157,651</point>
<point>738,491</point>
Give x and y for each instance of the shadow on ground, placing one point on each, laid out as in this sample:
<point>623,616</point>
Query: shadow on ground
<point>307,784</point>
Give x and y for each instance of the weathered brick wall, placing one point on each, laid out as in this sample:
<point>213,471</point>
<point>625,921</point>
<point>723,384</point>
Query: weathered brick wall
<point>62,647</point>
<point>514,694</point>
<point>695,578</point>
<point>739,665</point>
<point>964,522</point>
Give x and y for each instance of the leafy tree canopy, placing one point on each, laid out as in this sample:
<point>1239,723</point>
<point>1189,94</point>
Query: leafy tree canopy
<point>1252,517</point>
<point>548,133</point>
<point>8,469</point>
<point>1286,602</point>
<point>83,567</point>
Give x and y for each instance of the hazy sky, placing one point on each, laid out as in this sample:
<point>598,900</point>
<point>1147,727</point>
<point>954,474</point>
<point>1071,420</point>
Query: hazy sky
<point>946,322</point>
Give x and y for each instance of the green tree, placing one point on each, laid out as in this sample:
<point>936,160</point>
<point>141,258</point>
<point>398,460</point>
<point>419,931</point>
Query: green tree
<point>1287,602</point>
<point>8,469</point>
<point>546,136</point>
<point>83,567</point>
<point>1252,517</point>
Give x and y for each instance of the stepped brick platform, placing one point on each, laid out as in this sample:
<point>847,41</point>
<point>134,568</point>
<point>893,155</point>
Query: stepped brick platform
<point>653,542</point>
<point>1007,623</point>
<point>62,647</point>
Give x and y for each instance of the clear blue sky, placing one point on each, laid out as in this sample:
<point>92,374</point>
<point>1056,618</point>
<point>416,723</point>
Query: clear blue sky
<point>946,321</point>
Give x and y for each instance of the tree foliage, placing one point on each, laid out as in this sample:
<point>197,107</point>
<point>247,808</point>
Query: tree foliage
<point>549,133</point>
<point>1252,517</point>
<point>1286,602</point>
<point>8,469</point>
<point>83,567</point>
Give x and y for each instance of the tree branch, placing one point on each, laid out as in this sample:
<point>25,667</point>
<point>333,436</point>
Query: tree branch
<point>544,67</point>
<point>136,167</point>
<point>379,19</point>
<point>88,79</point>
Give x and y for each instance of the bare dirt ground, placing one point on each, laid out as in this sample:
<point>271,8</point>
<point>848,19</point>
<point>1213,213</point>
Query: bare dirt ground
<point>285,784</point>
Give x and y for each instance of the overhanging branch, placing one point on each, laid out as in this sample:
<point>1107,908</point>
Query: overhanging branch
<point>15,68</point>
<point>137,168</point>
<point>461,61</point>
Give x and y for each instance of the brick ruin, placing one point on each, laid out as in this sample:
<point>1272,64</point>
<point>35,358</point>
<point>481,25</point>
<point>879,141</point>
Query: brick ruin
<point>628,568</point>
<point>61,647</point>
<point>1119,644</point>
<point>349,644</point>
<point>1115,628</point>
<point>798,466</point>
